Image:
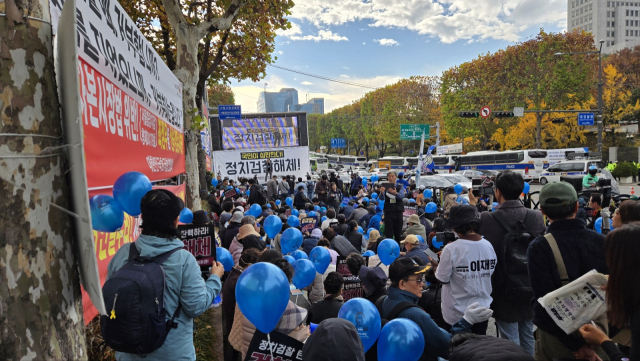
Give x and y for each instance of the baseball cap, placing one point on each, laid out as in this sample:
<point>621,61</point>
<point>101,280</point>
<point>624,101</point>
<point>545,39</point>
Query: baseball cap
<point>411,239</point>
<point>558,194</point>
<point>404,267</point>
<point>372,278</point>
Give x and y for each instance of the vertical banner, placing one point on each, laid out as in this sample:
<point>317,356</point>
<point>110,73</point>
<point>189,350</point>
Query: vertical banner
<point>205,135</point>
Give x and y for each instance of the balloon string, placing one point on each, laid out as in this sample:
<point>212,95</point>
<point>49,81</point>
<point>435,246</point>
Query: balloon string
<point>270,346</point>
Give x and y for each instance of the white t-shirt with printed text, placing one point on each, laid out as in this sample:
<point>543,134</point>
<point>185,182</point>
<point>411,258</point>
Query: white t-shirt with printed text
<point>466,268</point>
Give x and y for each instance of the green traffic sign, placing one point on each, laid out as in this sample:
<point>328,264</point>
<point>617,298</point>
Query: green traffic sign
<point>413,131</point>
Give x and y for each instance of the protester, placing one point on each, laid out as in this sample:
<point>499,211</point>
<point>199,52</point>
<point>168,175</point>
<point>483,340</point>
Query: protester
<point>376,221</point>
<point>303,184</point>
<point>330,221</point>
<point>374,240</point>
<point>374,281</point>
<point>232,229</point>
<point>512,311</point>
<point>248,257</point>
<point>272,188</point>
<point>311,185</point>
<point>348,209</point>
<point>414,250</point>
<point>623,291</point>
<point>629,211</point>
<point>226,214</point>
<point>472,347</point>
<point>407,279</point>
<point>334,197</point>
<point>339,243</point>
<point>449,199</point>
<point>366,219</point>
<point>359,212</point>
<point>415,227</point>
<point>283,189</point>
<point>186,295</point>
<point>342,228</point>
<point>268,169</point>
<point>323,242</point>
<point>248,237</point>
<point>310,242</point>
<point>300,199</point>
<point>322,189</point>
<point>354,236</point>
<point>595,203</point>
<point>580,249</point>
<point>330,305</point>
<point>393,207</point>
<point>465,267</point>
<point>335,339</point>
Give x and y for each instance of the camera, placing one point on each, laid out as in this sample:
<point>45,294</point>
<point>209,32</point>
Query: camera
<point>486,189</point>
<point>445,237</point>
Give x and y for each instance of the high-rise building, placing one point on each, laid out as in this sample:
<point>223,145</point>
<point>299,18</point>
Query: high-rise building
<point>615,22</point>
<point>286,100</point>
<point>277,102</point>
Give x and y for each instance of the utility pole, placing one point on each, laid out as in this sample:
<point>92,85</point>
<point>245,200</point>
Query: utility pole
<point>41,304</point>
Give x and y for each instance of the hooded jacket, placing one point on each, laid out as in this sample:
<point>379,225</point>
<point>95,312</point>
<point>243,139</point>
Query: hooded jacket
<point>364,220</point>
<point>449,201</point>
<point>184,285</point>
<point>488,348</point>
<point>358,213</point>
<point>230,234</point>
<point>375,221</point>
<point>355,238</point>
<point>309,243</point>
<point>335,339</point>
<point>327,308</point>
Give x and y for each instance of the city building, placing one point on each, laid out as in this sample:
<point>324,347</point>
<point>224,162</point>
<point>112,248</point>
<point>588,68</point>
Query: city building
<point>286,100</point>
<point>615,22</point>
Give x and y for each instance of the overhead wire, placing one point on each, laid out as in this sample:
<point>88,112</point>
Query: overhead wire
<point>325,78</point>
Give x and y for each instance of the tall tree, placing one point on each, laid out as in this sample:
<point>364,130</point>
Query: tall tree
<point>220,94</point>
<point>40,300</point>
<point>212,39</point>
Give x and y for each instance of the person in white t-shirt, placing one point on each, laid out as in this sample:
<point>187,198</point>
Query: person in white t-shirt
<point>330,221</point>
<point>465,267</point>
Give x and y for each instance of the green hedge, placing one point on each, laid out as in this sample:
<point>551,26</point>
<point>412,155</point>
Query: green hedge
<point>625,169</point>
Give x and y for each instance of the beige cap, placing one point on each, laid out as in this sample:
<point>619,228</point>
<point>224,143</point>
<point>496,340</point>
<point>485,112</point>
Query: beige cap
<point>411,239</point>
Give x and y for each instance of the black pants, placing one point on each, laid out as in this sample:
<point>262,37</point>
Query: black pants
<point>477,328</point>
<point>393,225</point>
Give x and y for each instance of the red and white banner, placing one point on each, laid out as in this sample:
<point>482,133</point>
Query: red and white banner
<point>107,244</point>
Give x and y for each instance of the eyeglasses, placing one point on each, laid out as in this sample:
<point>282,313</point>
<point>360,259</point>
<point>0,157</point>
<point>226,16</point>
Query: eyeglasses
<point>419,279</point>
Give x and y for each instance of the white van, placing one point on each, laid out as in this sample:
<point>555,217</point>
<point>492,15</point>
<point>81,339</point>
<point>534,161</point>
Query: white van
<point>568,167</point>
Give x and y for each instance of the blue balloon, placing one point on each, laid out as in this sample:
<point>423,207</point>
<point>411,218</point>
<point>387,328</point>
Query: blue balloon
<point>435,243</point>
<point>304,272</point>
<point>289,201</point>
<point>598,225</point>
<point>364,181</point>
<point>420,239</point>
<point>374,178</point>
<point>290,240</point>
<point>324,218</point>
<point>365,316</point>
<point>278,202</point>
<point>369,253</point>
<point>293,221</point>
<point>374,196</point>
<point>295,212</point>
<point>457,188</point>
<point>298,254</point>
<point>129,189</point>
<point>494,206</point>
<point>428,193</point>
<point>247,192</point>
<point>527,188</point>
<point>268,205</point>
<point>224,256</point>
<point>237,190</point>
<point>400,339</point>
<point>323,209</point>
<point>316,208</point>
<point>312,214</point>
<point>289,259</point>
<point>106,214</point>
<point>270,282</point>
<point>214,182</point>
<point>360,230</point>
<point>186,216</point>
<point>255,210</point>
<point>312,327</point>
<point>364,178</point>
<point>217,300</point>
<point>388,251</point>
<point>272,225</point>
<point>412,201</point>
<point>431,207</point>
<point>321,259</point>
<point>365,199</point>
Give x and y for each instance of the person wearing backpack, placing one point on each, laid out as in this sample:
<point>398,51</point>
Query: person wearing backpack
<point>140,312</point>
<point>256,193</point>
<point>407,280</point>
<point>510,229</point>
<point>283,189</point>
<point>311,185</point>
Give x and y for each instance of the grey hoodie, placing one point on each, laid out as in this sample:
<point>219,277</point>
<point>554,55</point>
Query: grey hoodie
<point>184,284</point>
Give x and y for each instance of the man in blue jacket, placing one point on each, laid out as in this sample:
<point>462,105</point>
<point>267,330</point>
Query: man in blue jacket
<point>407,279</point>
<point>184,282</point>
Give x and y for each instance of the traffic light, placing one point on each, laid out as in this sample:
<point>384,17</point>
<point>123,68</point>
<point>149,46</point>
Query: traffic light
<point>503,114</point>
<point>469,114</point>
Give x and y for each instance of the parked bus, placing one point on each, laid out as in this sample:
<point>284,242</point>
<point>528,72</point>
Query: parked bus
<point>319,164</point>
<point>353,161</point>
<point>530,163</point>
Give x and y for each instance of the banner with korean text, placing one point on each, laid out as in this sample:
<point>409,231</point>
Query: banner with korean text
<point>131,101</point>
<point>247,163</point>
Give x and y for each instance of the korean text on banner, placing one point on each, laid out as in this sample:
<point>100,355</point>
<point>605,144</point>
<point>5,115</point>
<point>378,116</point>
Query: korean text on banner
<point>247,163</point>
<point>107,244</point>
<point>259,133</point>
<point>131,101</point>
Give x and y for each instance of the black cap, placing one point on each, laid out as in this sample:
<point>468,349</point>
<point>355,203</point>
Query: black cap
<point>200,218</point>
<point>404,267</point>
<point>461,214</point>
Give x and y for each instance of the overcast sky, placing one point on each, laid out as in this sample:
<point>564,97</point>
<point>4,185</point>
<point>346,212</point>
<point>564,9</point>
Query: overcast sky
<point>377,42</point>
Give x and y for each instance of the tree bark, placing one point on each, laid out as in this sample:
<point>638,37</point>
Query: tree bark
<point>40,299</point>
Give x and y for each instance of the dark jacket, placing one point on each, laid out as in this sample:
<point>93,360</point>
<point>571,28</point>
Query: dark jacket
<point>355,238</point>
<point>334,199</point>
<point>436,340</point>
<point>324,309</point>
<point>488,348</point>
<point>612,351</point>
<point>398,206</point>
<point>358,213</point>
<point>504,308</point>
<point>229,297</point>
<point>582,250</point>
<point>335,339</point>
<point>341,229</point>
<point>342,246</point>
<point>379,292</point>
<point>292,184</point>
<point>347,210</point>
<point>255,193</point>
<point>230,234</point>
<point>300,200</point>
<point>309,244</point>
<point>322,187</point>
<point>419,253</point>
<point>367,217</point>
<point>253,241</point>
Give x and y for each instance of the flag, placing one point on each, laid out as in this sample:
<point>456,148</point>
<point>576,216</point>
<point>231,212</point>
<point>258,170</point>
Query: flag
<point>427,162</point>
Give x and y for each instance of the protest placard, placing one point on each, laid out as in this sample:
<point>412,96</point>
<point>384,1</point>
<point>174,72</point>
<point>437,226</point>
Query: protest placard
<point>352,284</point>
<point>308,224</point>
<point>281,347</point>
<point>199,240</point>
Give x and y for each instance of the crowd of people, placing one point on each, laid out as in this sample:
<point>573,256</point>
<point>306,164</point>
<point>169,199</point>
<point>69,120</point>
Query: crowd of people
<point>460,264</point>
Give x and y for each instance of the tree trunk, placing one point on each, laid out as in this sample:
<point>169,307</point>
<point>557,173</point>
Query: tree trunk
<point>539,117</point>
<point>40,299</point>
<point>187,71</point>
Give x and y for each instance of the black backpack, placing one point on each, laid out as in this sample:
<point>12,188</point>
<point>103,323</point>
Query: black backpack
<point>513,256</point>
<point>260,197</point>
<point>134,296</point>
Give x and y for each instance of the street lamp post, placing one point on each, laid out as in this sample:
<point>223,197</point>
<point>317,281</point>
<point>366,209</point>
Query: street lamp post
<point>600,90</point>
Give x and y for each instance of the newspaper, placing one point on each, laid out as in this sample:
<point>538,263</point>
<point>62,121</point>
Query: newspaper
<point>577,303</point>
